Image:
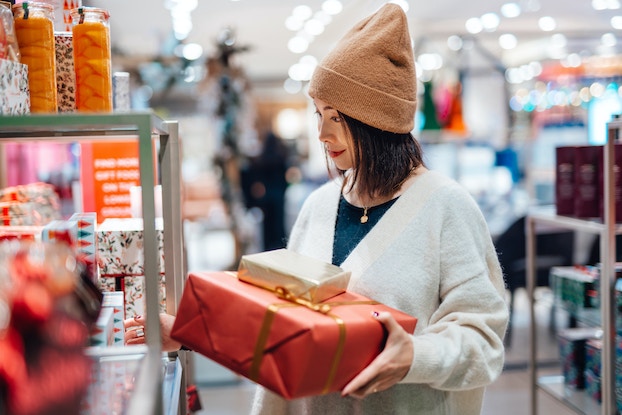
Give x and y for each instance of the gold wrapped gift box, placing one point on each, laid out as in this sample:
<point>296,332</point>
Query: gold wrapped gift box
<point>302,276</point>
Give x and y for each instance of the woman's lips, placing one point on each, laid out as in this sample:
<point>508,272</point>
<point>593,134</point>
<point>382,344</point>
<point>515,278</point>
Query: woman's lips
<point>334,154</point>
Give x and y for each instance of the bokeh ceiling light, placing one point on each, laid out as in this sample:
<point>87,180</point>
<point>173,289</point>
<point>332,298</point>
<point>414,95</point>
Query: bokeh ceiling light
<point>508,41</point>
<point>302,12</point>
<point>510,10</point>
<point>297,45</point>
<point>430,61</point>
<point>605,4</point>
<point>490,21</point>
<point>547,23</point>
<point>332,7</point>
<point>314,27</point>
<point>454,43</point>
<point>616,22</point>
<point>292,86</point>
<point>293,23</point>
<point>474,25</point>
<point>609,39</point>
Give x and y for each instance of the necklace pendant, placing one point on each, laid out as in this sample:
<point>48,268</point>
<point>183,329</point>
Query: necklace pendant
<point>364,218</point>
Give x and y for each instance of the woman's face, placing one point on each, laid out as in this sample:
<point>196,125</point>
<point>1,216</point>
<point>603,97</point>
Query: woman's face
<point>334,135</point>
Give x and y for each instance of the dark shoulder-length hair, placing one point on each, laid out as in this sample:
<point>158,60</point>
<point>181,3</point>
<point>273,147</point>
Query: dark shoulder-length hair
<point>382,160</point>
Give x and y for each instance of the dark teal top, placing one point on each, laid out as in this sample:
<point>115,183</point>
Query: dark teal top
<point>349,230</point>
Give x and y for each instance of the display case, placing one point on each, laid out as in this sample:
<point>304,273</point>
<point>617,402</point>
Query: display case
<point>606,230</point>
<point>155,136</point>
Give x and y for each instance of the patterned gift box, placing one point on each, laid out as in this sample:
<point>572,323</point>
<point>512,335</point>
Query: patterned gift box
<point>120,247</point>
<point>572,353</point>
<point>65,74</point>
<point>23,233</point>
<point>574,286</point>
<point>87,243</point>
<point>114,301</point>
<point>43,202</point>
<point>133,289</point>
<point>14,89</point>
<point>61,231</point>
<point>592,385</point>
<point>593,352</point>
<point>102,333</point>
<point>20,214</point>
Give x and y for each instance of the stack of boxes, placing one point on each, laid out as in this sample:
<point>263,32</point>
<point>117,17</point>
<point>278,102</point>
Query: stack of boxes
<point>577,289</point>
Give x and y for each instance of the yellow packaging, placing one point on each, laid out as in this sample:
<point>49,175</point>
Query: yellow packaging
<point>302,276</point>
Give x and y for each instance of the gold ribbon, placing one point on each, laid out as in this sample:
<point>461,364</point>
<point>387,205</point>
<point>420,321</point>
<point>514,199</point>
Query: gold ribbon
<point>293,301</point>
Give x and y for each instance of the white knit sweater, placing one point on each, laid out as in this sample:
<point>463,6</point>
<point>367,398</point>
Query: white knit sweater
<point>432,257</point>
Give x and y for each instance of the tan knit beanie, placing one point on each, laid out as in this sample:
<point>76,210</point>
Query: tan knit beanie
<point>370,74</point>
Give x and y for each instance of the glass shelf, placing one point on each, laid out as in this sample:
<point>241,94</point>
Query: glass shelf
<point>155,137</point>
<point>577,400</point>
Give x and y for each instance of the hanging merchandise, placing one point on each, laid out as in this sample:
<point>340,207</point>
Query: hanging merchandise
<point>455,124</point>
<point>34,28</point>
<point>92,59</point>
<point>430,118</point>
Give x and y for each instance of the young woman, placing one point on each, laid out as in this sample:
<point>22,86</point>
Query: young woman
<point>412,239</point>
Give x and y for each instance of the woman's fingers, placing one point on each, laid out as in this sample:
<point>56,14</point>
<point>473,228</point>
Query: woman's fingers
<point>134,330</point>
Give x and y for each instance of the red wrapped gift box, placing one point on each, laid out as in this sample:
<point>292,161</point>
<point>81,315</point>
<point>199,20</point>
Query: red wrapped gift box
<point>293,349</point>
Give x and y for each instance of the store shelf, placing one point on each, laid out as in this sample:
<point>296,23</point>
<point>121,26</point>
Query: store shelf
<point>155,136</point>
<point>577,400</point>
<point>606,230</point>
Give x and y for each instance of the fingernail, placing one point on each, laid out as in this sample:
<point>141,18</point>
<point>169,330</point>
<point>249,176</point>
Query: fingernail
<point>137,317</point>
<point>375,314</point>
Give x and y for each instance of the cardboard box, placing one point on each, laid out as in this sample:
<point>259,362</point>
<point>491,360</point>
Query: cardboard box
<point>301,275</point>
<point>14,88</point>
<point>133,289</point>
<point>86,245</point>
<point>102,334</point>
<point>573,355</point>
<point>65,73</point>
<point>287,347</point>
<point>564,180</point>
<point>114,301</point>
<point>586,190</point>
<point>120,247</point>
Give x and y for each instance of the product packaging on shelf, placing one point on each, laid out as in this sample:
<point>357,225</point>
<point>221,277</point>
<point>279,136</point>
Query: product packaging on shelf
<point>291,346</point>
<point>65,75</point>
<point>102,334</point>
<point>564,180</point>
<point>572,353</point>
<point>86,243</point>
<point>586,193</point>
<point>120,259</point>
<point>114,301</point>
<point>14,89</point>
<point>34,28</point>
<point>9,49</point>
<point>92,59</point>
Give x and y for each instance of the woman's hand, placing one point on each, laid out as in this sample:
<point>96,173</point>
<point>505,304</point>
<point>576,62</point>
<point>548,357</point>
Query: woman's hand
<point>389,367</point>
<point>135,331</point>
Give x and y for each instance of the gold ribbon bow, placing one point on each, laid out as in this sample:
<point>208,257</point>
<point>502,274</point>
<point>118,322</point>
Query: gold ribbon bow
<point>294,301</point>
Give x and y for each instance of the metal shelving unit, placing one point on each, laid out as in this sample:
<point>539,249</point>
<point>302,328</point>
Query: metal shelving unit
<point>578,401</point>
<point>152,134</point>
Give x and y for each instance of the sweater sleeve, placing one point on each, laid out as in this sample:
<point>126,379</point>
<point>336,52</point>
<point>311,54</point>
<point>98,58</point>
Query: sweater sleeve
<point>462,347</point>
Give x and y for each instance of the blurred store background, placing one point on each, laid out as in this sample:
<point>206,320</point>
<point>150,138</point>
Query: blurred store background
<point>501,85</point>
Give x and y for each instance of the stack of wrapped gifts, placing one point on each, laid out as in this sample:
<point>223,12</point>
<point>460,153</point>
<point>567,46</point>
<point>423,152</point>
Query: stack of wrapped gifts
<point>284,321</point>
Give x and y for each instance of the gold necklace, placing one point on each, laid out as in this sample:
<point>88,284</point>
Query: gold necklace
<point>365,218</point>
